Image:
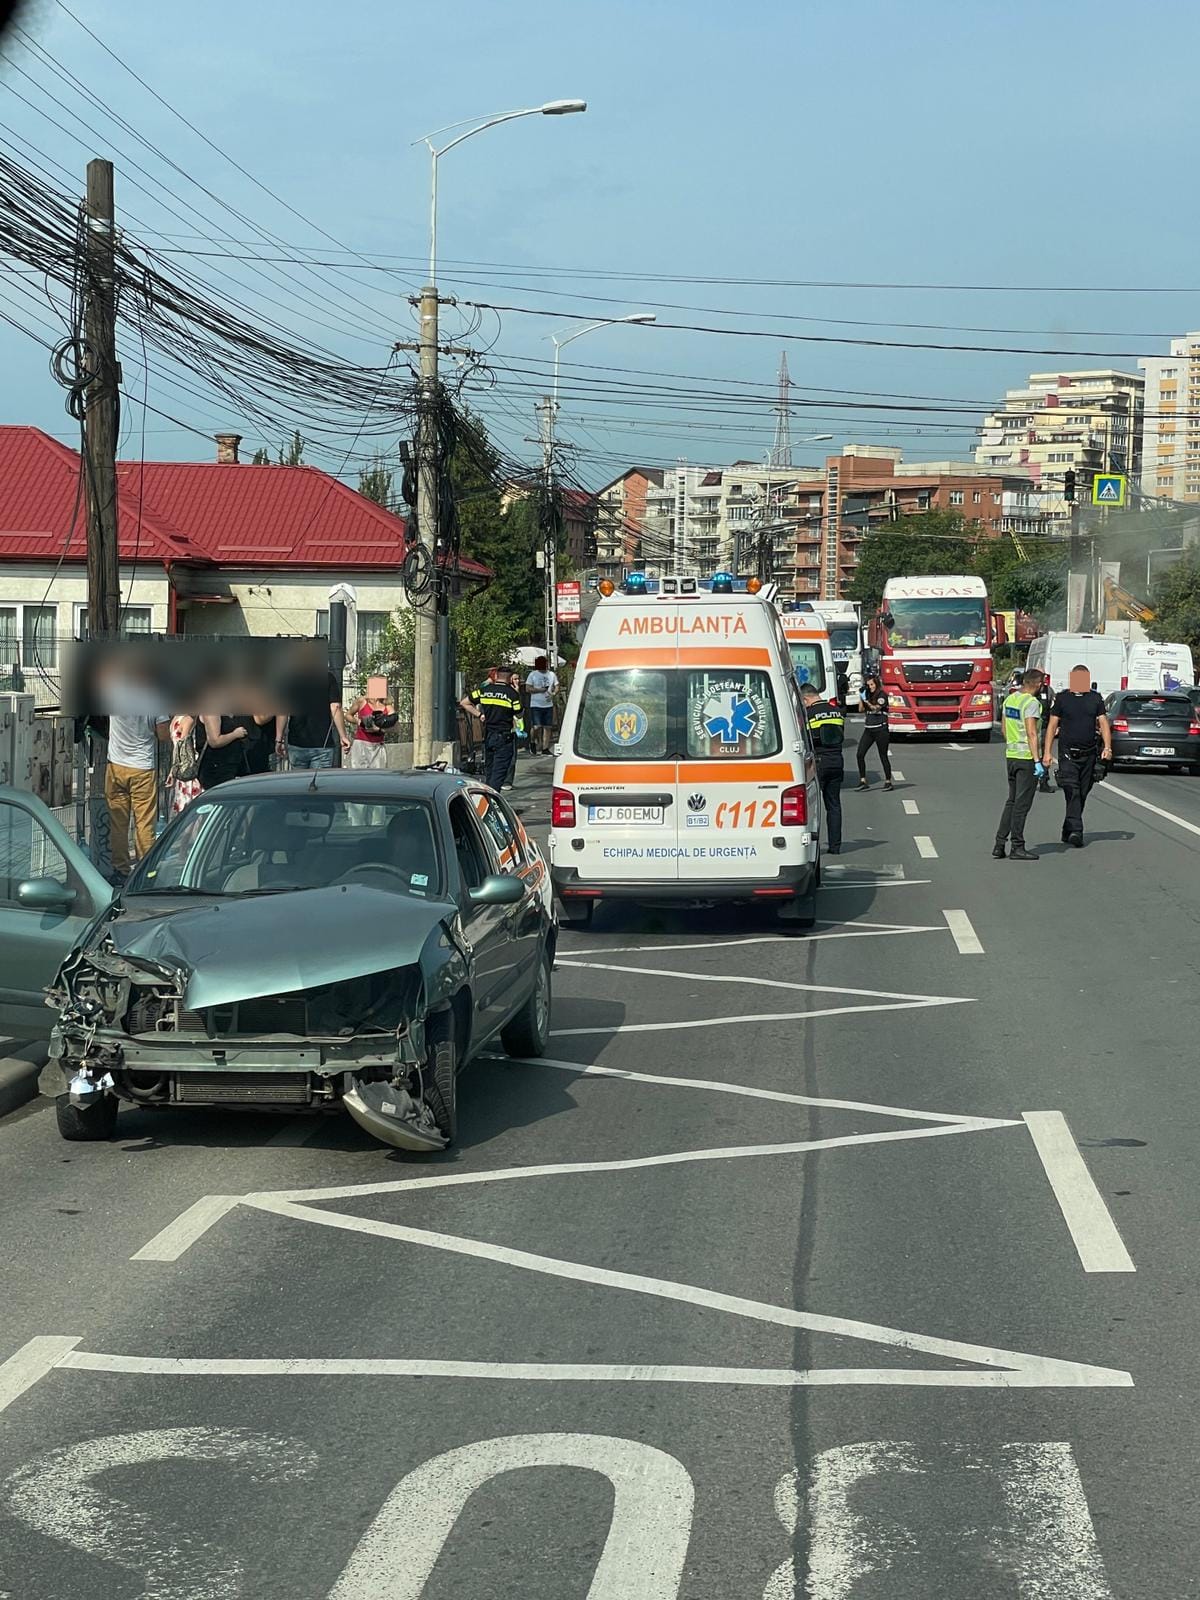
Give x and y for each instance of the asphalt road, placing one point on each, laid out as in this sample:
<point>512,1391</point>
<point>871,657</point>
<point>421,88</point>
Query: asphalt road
<point>804,1267</point>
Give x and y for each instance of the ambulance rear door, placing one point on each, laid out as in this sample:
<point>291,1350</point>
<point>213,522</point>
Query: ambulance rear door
<point>737,761</point>
<point>621,770</point>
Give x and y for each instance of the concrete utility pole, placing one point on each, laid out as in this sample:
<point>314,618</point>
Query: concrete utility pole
<point>100,405</point>
<point>429,619</point>
<point>425,613</point>
<point>546,410</point>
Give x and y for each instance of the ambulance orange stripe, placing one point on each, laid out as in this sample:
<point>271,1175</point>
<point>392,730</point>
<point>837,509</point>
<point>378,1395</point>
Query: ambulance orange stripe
<point>620,772</point>
<point>684,656</point>
<point>736,772</point>
<point>686,772</point>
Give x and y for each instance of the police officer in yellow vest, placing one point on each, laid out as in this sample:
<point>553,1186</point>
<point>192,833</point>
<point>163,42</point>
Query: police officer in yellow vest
<point>827,724</point>
<point>1021,716</point>
<point>497,705</point>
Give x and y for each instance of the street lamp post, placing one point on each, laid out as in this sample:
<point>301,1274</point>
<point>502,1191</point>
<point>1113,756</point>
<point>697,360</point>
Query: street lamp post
<point>426,619</point>
<point>550,414</point>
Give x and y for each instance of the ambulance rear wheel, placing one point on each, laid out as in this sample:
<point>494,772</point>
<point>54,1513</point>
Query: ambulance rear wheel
<point>801,914</point>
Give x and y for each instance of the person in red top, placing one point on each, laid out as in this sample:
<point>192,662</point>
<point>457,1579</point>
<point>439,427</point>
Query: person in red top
<point>371,718</point>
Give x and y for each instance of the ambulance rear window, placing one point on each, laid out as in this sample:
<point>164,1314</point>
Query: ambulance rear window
<point>807,663</point>
<point>624,715</point>
<point>730,713</point>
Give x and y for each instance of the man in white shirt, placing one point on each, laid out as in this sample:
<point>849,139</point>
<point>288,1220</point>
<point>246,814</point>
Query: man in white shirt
<point>131,783</point>
<point>542,686</point>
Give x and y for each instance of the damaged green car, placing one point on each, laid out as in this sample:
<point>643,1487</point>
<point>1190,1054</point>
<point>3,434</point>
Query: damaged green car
<point>298,942</point>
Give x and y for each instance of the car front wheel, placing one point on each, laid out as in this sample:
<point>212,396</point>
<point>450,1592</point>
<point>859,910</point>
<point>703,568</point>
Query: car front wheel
<point>528,1033</point>
<point>441,1086</point>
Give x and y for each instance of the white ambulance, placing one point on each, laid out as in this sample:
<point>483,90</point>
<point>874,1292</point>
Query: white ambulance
<point>811,651</point>
<point>684,770</point>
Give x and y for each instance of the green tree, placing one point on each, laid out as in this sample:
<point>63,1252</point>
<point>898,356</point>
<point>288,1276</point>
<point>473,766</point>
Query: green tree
<point>930,542</point>
<point>484,635</point>
<point>375,482</point>
<point>262,457</point>
<point>1038,587</point>
<point>291,452</point>
<point>1176,602</point>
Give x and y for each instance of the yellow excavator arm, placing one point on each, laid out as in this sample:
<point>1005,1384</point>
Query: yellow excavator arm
<point>1125,604</point>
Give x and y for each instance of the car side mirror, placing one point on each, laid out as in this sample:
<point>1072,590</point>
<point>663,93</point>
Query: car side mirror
<point>500,889</point>
<point>44,894</point>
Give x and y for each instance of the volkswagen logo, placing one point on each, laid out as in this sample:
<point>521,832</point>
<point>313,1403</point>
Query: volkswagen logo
<point>696,802</point>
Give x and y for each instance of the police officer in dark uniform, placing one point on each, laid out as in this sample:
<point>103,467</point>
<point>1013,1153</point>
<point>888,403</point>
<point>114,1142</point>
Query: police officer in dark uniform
<point>1045,698</point>
<point>497,705</point>
<point>1079,722</point>
<point>827,724</point>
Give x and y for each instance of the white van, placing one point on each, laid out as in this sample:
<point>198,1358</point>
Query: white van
<point>1102,654</point>
<point>684,770</point>
<point>1158,667</point>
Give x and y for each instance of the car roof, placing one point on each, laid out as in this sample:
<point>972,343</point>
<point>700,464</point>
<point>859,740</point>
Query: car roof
<point>345,782</point>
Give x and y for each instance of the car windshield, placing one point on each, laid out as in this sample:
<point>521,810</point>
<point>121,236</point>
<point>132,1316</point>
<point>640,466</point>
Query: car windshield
<point>807,663</point>
<point>1157,706</point>
<point>261,844</point>
<point>931,620</point>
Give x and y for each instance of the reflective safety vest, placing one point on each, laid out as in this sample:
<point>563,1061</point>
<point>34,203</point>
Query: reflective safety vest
<point>827,724</point>
<point>1017,706</point>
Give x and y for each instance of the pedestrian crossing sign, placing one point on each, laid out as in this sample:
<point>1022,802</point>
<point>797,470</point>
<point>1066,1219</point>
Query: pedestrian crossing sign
<point>1108,489</point>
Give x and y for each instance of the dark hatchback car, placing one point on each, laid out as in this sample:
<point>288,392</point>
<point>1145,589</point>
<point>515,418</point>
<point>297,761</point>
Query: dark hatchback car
<point>299,942</point>
<point>1153,728</point>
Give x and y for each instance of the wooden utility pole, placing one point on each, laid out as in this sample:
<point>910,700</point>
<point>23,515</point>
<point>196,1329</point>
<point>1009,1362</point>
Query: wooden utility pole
<point>101,404</point>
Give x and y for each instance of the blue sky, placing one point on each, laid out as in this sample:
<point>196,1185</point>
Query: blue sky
<point>929,142</point>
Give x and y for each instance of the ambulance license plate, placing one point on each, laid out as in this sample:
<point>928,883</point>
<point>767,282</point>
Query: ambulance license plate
<point>1158,749</point>
<point>618,816</point>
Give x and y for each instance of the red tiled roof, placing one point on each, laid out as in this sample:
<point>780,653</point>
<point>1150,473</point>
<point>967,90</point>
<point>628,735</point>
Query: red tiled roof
<point>234,516</point>
<point>42,508</point>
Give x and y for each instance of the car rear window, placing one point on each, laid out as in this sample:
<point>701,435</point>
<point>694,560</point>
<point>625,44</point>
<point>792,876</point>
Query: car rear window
<point>730,714</point>
<point>1161,707</point>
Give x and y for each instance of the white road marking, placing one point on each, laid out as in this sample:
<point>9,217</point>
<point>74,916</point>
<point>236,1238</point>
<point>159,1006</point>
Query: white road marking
<point>30,1363</point>
<point>883,873</point>
<point>1100,1246</point>
<point>1007,1368</point>
<point>740,980</point>
<point>897,775</point>
<point>297,1131</point>
<point>752,1017</point>
<point>68,1495</point>
<point>924,846</point>
<point>1108,787</point>
<point>670,1158</point>
<point>1040,1534</point>
<point>580,1371</point>
<point>958,747</point>
<point>645,1544</point>
<point>871,883</point>
<point>854,930</point>
<point>963,933</point>
<point>177,1236</point>
<point>594,1070</point>
<point>911,808</point>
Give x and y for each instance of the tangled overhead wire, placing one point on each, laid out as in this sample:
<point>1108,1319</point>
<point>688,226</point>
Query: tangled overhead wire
<point>268,377</point>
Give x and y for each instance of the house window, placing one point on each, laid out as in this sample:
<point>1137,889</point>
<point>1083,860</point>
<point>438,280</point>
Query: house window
<point>29,632</point>
<point>134,620</point>
<point>976,497</point>
<point>370,626</point>
<point>995,499</point>
<point>956,497</point>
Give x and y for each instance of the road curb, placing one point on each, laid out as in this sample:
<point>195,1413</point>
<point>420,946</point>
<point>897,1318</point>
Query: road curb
<point>19,1073</point>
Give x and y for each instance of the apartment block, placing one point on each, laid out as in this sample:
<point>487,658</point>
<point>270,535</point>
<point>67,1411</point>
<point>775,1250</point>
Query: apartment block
<point>1084,422</point>
<point>1171,438</point>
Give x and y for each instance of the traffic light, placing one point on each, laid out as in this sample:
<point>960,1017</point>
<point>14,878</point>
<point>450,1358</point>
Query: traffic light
<point>1069,485</point>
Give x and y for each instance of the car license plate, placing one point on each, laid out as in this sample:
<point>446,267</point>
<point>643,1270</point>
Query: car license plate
<point>1158,749</point>
<point>616,816</point>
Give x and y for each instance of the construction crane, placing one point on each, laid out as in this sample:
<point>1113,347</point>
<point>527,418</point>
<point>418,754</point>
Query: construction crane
<point>1122,603</point>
